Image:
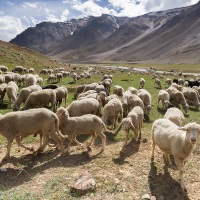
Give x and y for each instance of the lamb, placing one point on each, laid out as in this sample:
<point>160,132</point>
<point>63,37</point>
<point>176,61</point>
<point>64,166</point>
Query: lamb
<point>164,97</point>
<point>11,91</point>
<point>61,93</point>
<point>118,90</point>
<point>141,83</point>
<point>23,95</point>
<point>145,96</point>
<point>84,106</point>
<point>175,115</point>
<point>25,123</point>
<point>111,110</point>
<point>41,98</point>
<point>176,141</point>
<point>86,124</point>
<point>157,83</point>
<point>134,121</point>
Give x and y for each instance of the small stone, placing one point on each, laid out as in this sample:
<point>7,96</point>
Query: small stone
<point>84,183</point>
<point>146,196</point>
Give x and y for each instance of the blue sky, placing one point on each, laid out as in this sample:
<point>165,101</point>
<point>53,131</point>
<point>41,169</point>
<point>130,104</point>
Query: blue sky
<point>17,15</point>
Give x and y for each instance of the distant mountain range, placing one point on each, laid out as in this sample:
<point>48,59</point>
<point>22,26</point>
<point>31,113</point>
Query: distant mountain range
<point>171,36</point>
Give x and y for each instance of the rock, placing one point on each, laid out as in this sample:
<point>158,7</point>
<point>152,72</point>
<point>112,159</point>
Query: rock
<point>84,183</point>
<point>146,196</point>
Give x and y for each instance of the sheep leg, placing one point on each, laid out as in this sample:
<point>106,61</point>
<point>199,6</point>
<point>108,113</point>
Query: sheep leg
<point>8,149</point>
<point>180,165</point>
<point>56,138</point>
<point>92,140</point>
<point>103,138</point>
<point>136,134</point>
<point>18,141</point>
<point>126,140</point>
<point>45,142</point>
<point>77,142</point>
<point>153,149</point>
<point>166,158</point>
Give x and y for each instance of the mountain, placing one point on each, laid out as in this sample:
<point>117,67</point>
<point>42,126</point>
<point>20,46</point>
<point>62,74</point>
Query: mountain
<point>171,36</point>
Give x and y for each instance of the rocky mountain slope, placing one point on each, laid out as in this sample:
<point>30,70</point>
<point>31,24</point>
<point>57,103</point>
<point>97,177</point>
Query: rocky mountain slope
<point>171,36</point>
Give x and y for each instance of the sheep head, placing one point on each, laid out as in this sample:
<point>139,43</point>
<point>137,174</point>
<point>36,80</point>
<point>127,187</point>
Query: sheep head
<point>62,113</point>
<point>127,124</point>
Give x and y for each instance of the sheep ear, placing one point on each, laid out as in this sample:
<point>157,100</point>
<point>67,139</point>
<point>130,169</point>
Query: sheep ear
<point>182,128</point>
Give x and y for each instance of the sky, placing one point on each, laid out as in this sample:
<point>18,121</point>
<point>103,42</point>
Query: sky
<point>18,15</point>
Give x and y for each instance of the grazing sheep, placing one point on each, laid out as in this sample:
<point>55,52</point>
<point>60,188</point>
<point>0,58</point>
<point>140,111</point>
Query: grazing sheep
<point>11,91</point>
<point>157,83</point>
<point>124,101</point>
<point>134,121</point>
<point>61,93</point>
<point>2,92</point>
<point>118,90</point>
<point>132,90</point>
<point>145,96</point>
<point>79,90</point>
<point>176,141</point>
<point>86,124</point>
<point>164,97</point>
<point>84,94</point>
<point>175,115</point>
<point>41,98</point>
<point>111,111</point>
<point>168,82</point>
<point>193,98</point>
<point>91,86</point>
<point>141,83</point>
<point>84,106</point>
<point>133,101</point>
<point>30,79</point>
<point>23,95</point>
<point>17,125</point>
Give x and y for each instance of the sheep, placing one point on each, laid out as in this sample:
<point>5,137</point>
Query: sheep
<point>17,125</point>
<point>164,97</point>
<point>193,98</point>
<point>105,99</point>
<point>2,79</point>
<point>133,101</point>
<point>175,115</point>
<point>145,96</point>
<point>177,98</point>
<point>2,92</point>
<point>91,86</point>
<point>9,77</point>
<point>84,94</point>
<point>157,83</point>
<point>134,120</point>
<point>3,68</point>
<point>61,93</point>
<point>11,91</point>
<point>168,82</point>
<point>141,83</point>
<point>124,101</point>
<point>86,124</point>
<point>84,106</point>
<point>111,110</point>
<point>41,98</point>
<point>132,90</point>
<point>118,90</point>
<point>30,79</point>
<point>176,141</point>
<point>23,95</point>
<point>79,90</point>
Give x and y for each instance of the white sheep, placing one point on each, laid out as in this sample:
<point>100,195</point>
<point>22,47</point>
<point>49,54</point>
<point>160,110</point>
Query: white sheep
<point>86,124</point>
<point>23,95</point>
<point>30,79</point>
<point>41,98</point>
<point>17,125</point>
<point>157,83</point>
<point>118,90</point>
<point>145,96</point>
<point>168,82</point>
<point>11,91</point>
<point>141,83</point>
<point>176,141</point>
<point>175,115</point>
<point>111,111</point>
<point>84,106</point>
<point>61,93</point>
<point>2,92</point>
<point>134,120</point>
<point>133,101</point>
<point>164,97</point>
<point>132,90</point>
<point>79,90</point>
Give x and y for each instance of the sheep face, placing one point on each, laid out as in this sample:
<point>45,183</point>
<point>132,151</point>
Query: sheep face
<point>185,108</point>
<point>127,124</point>
<point>192,132</point>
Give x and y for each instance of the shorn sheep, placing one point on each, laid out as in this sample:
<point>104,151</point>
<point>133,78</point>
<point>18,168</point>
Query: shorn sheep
<point>20,124</point>
<point>176,141</point>
<point>86,124</point>
<point>134,121</point>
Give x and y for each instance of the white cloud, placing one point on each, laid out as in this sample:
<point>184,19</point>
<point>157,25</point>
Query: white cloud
<point>72,2</point>
<point>64,15</point>
<point>30,5</point>
<point>10,27</point>
<point>1,12</point>
<point>10,3</point>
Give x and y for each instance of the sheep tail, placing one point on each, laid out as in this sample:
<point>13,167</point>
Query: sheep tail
<point>106,130</point>
<point>118,129</point>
